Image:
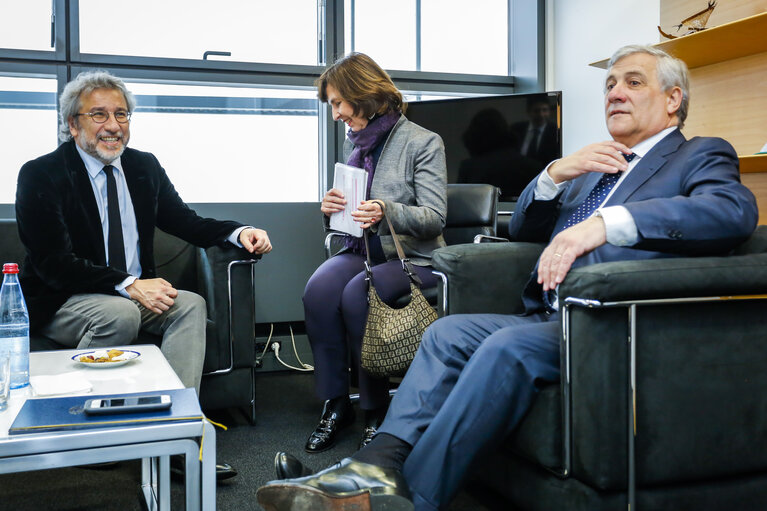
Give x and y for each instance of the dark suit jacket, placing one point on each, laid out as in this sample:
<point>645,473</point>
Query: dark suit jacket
<point>60,227</point>
<point>548,149</point>
<point>685,197</point>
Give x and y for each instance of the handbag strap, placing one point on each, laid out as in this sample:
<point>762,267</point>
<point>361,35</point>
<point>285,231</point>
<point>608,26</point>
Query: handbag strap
<point>407,266</point>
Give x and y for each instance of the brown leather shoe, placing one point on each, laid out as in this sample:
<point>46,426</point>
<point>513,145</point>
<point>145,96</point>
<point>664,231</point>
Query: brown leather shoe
<point>348,485</point>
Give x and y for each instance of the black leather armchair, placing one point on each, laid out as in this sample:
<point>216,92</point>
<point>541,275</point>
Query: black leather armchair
<point>661,401</point>
<point>471,212</point>
<point>225,278</point>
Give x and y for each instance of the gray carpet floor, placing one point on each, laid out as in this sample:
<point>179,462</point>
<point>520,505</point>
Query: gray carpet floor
<point>287,412</point>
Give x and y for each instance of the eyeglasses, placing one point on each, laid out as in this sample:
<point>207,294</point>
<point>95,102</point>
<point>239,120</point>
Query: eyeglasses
<point>101,117</point>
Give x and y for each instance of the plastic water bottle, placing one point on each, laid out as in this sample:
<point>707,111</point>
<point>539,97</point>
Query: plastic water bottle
<point>14,326</point>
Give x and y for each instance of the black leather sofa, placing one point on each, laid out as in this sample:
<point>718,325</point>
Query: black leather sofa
<point>661,405</point>
<point>225,278</point>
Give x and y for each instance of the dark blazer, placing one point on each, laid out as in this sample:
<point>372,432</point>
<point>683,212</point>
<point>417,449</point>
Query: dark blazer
<point>549,147</point>
<point>60,227</point>
<point>685,197</point>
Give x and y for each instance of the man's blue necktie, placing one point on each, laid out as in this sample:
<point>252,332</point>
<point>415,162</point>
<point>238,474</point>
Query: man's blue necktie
<point>596,196</point>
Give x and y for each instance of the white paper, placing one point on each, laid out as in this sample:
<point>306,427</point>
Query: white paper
<point>57,384</point>
<point>352,182</point>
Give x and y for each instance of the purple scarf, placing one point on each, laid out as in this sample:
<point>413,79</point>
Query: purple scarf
<point>365,142</point>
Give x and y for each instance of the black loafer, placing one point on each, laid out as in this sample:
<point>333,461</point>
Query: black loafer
<point>224,471</point>
<point>331,422</point>
<point>287,466</point>
<point>346,485</point>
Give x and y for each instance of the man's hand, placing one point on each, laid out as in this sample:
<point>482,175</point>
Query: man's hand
<point>368,213</point>
<point>333,202</point>
<point>566,247</point>
<point>606,157</point>
<point>255,241</point>
<point>155,294</point>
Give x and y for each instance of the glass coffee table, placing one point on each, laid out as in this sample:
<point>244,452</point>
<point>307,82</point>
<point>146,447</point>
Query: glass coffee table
<point>152,443</point>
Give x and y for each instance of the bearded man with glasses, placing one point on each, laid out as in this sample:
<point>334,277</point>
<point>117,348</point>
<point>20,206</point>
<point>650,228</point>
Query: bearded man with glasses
<point>86,214</point>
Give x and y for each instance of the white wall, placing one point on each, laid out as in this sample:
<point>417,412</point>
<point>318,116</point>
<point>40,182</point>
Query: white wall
<point>583,31</point>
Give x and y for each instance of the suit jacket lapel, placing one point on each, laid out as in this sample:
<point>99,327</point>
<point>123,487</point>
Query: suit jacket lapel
<point>144,207</point>
<point>647,167</point>
<point>84,191</point>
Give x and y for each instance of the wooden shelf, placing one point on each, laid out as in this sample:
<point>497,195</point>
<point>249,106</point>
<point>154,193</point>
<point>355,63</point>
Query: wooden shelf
<point>741,38</point>
<point>751,163</point>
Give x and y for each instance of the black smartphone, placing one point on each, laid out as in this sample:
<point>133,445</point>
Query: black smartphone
<point>132,404</point>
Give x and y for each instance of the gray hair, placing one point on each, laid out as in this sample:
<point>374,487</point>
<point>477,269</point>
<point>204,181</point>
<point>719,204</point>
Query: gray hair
<point>672,72</point>
<point>70,104</point>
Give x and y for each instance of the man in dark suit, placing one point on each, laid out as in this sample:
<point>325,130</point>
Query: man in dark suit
<point>475,376</point>
<point>538,137</point>
<point>87,213</point>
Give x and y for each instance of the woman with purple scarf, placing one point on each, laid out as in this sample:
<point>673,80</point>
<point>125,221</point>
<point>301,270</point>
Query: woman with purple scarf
<point>406,172</point>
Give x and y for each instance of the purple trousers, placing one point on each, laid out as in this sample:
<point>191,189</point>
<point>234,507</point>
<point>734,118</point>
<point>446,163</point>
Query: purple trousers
<point>335,306</point>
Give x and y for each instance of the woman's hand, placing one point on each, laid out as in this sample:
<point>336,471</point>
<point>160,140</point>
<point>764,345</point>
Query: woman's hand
<point>368,213</point>
<point>333,202</point>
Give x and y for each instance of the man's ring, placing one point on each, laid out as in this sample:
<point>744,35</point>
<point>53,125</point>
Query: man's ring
<point>557,255</point>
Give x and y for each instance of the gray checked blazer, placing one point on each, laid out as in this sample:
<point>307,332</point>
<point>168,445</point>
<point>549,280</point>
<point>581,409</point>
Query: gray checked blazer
<point>411,180</point>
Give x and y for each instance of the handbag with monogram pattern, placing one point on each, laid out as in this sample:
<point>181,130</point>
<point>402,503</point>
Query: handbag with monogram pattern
<point>392,336</point>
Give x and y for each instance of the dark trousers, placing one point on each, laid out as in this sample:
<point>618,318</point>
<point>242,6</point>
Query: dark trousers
<point>335,306</point>
<point>473,379</point>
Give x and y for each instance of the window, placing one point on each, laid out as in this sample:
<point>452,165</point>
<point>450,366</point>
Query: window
<point>246,127</point>
<point>28,126</point>
<point>26,24</point>
<point>231,144</point>
<point>465,37</point>
<point>282,32</point>
<point>387,35</point>
<point>451,36</point>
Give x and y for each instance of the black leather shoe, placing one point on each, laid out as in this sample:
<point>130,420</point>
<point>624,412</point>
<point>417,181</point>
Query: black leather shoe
<point>344,486</point>
<point>287,466</point>
<point>367,435</point>
<point>224,471</point>
<point>334,418</point>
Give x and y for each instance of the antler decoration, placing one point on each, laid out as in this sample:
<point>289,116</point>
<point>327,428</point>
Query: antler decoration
<point>694,23</point>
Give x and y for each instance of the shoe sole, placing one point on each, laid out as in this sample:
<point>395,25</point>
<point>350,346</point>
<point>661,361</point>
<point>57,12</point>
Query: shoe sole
<point>278,497</point>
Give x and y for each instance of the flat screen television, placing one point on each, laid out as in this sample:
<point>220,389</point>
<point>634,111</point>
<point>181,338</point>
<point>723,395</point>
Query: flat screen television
<point>502,140</point>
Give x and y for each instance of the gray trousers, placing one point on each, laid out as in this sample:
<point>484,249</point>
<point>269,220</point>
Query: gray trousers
<point>98,320</point>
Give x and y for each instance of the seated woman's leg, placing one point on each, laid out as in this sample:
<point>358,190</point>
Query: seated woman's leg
<point>325,325</point>
<point>327,336</point>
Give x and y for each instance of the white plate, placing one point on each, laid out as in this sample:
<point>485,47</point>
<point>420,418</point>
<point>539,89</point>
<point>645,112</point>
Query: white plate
<point>129,354</point>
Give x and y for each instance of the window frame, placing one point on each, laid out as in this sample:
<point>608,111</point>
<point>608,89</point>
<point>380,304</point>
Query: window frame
<point>526,65</point>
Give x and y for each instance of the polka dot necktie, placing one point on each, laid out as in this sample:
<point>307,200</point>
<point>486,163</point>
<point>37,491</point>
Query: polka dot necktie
<point>596,196</point>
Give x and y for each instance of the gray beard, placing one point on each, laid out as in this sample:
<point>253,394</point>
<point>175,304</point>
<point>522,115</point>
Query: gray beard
<point>94,150</point>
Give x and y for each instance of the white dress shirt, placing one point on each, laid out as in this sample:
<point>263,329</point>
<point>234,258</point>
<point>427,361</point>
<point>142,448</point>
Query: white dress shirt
<point>620,227</point>
<point>127,216</point>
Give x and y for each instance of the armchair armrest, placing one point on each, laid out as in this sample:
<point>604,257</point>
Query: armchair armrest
<point>670,403</point>
<point>484,238</point>
<point>485,277</point>
<point>227,278</point>
<point>330,250</point>
<point>668,278</point>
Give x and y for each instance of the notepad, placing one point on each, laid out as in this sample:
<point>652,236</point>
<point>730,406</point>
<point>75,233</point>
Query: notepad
<point>352,182</point>
<point>67,413</point>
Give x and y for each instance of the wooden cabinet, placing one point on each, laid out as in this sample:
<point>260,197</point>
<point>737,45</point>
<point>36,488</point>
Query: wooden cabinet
<point>728,81</point>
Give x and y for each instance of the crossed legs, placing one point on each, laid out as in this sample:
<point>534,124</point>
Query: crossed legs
<point>472,380</point>
<point>98,320</point>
